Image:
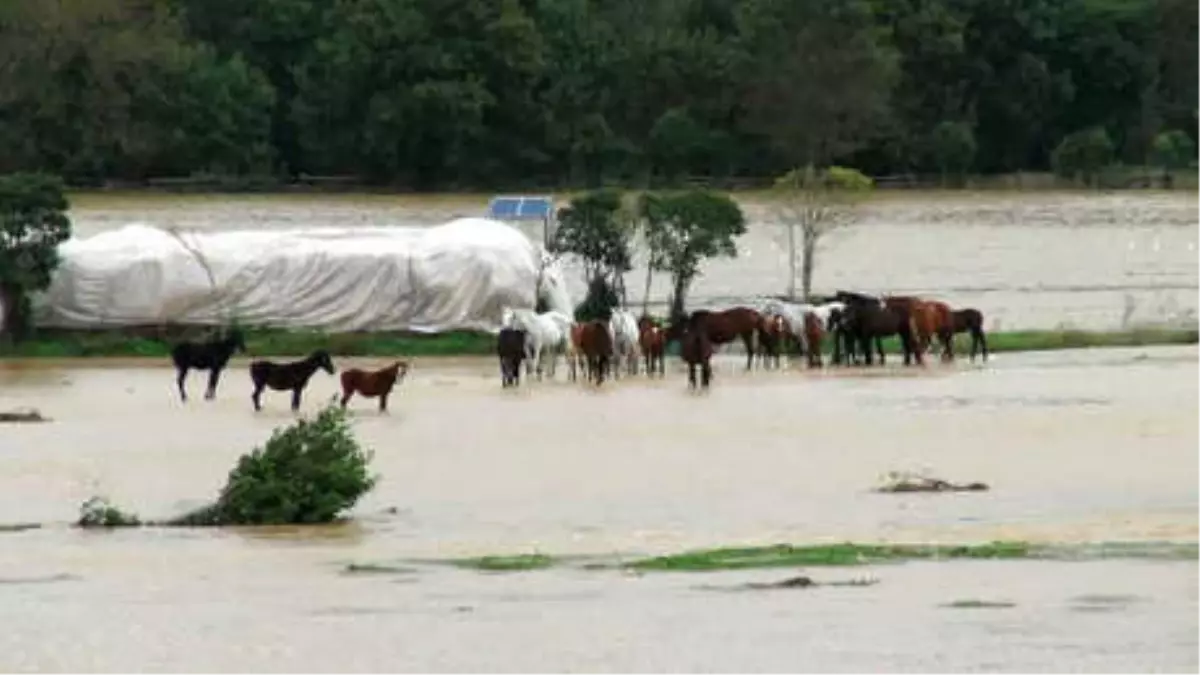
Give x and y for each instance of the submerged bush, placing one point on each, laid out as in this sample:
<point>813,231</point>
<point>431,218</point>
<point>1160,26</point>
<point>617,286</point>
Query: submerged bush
<point>99,512</point>
<point>309,472</point>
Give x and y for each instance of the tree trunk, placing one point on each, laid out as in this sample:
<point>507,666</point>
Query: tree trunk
<point>13,326</point>
<point>791,246</point>
<point>810,251</point>
<point>677,301</point>
<point>646,295</point>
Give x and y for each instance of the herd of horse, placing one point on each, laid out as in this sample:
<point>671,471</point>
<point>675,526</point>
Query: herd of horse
<point>214,355</point>
<point>854,323</point>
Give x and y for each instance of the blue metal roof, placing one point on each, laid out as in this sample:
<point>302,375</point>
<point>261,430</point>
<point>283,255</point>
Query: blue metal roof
<point>525,207</point>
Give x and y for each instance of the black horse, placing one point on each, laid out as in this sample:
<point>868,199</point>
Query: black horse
<point>695,346</point>
<point>970,321</point>
<point>845,342</point>
<point>284,376</point>
<point>865,322</point>
<point>212,356</point>
<point>510,347</point>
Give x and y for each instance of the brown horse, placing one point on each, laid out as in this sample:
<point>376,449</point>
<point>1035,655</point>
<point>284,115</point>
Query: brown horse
<point>653,341</point>
<point>596,344</point>
<point>969,320</point>
<point>930,318</point>
<point>723,327</point>
<point>370,384</point>
<point>576,359</point>
<point>814,332</point>
<point>773,334</point>
<point>695,347</point>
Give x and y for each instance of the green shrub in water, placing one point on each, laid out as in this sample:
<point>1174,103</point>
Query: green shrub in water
<point>309,472</point>
<point>99,512</point>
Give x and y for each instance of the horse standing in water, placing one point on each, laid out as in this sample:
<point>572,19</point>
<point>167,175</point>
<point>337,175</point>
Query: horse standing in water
<point>723,327</point>
<point>773,334</point>
<point>695,347</point>
<point>284,376</point>
<point>546,334</point>
<point>596,343</point>
<point>930,318</point>
<point>653,343</point>
<point>871,321</point>
<point>370,384</point>
<point>510,347</point>
<point>212,356</point>
<point>968,320</point>
<point>624,329</point>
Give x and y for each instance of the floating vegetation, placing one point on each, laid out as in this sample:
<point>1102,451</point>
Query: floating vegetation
<point>906,481</point>
<point>22,415</point>
<point>785,555</point>
<point>377,568</point>
<point>506,563</point>
<point>979,604</point>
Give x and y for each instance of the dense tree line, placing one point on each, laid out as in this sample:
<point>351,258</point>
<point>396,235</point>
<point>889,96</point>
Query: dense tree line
<point>446,93</point>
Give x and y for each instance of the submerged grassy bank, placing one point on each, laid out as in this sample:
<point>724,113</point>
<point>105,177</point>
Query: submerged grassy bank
<point>847,554</point>
<point>50,343</point>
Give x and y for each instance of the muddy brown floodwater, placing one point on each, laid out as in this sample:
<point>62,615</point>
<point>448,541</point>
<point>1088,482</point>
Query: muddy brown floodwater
<point>1084,446</point>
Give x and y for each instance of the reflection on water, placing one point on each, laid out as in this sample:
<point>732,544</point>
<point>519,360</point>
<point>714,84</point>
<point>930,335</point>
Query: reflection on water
<point>1028,260</point>
<point>641,468</point>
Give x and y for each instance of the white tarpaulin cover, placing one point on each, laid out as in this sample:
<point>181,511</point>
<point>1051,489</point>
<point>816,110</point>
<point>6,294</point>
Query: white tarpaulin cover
<point>429,279</point>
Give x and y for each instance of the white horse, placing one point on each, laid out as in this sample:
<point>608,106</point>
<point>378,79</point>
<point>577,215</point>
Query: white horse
<point>622,326</point>
<point>794,313</point>
<point>547,333</point>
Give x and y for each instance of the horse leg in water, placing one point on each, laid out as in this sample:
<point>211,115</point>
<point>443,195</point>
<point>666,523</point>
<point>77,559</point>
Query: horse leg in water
<point>748,340</point>
<point>691,375</point>
<point>879,348</point>
<point>183,371</point>
<point>296,397</point>
<point>258,389</point>
<point>977,336</point>
<point>213,376</point>
<point>705,374</point>
<point>348,391</point>
<point>383,401</point>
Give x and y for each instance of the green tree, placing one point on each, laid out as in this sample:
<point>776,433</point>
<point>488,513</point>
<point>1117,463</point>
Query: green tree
<point>952,145</point>
<point>1171,151</point>
<point>1083,154</point>
<point>683,229</point>
<point>815,202</point>
<point>33,222</point>
<point>594,228</point>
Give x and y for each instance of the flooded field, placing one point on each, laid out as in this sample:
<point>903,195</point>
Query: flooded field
<point>1079,447</point>
<point>1032,260</point>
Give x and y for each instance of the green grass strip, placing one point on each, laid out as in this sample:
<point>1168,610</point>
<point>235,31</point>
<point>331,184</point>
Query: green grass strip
<point>784,555</point>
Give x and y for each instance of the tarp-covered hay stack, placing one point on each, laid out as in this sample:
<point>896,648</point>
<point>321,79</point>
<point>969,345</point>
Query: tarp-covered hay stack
<point>428,279</point>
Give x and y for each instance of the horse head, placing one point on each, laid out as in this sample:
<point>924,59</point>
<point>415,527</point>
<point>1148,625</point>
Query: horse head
<point>401,368</point>
<point>322,360</point>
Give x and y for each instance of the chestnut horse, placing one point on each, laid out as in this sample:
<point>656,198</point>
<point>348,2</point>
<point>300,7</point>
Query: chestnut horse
<point>930,318</point>
<point>652,340</point>
<point>370,384</point>
<point>969,320</point>
<point>576,359</point>
<point>723,327</point>
<point>695,346</point>
<point>596,343</point>
<point>814,331</point>
<point>773,334</point>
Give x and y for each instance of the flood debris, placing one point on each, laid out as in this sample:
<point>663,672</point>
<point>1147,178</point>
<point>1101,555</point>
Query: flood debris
<point>22,415</point>
<point>791,583</point>
<point>904,481</point>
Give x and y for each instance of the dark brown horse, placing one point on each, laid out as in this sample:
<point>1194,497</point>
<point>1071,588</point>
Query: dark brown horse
<point>510,347</point>
<point>653,341</point>
<point>969,320</point>
<point>695,346</point>
<point>773,334</point>
<point>370,384</point>
<point>284,376</point>
<point>212,356</point>
<point>867,322</point>
<point>596,343</point>
<point>723,327</point>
